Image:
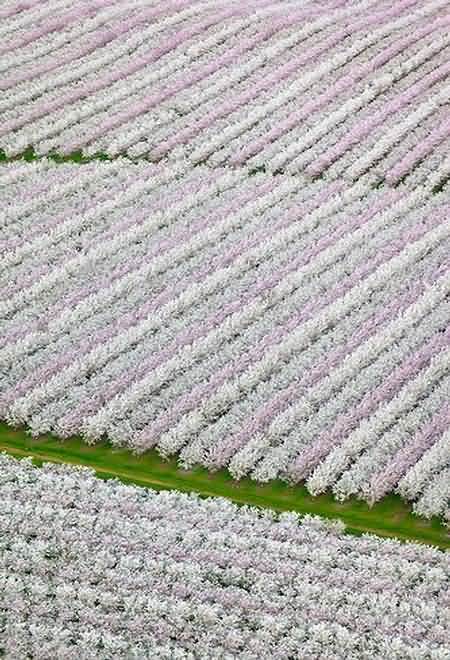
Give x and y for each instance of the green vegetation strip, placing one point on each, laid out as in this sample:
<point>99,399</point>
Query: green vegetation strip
<point>391,517</point>
<point>78,157</point>
<point>30,155</point>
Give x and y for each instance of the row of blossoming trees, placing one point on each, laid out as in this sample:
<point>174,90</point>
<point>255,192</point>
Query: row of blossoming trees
<point>330,88</point>
<point>272,326</point>
<point>270,296</point>
<point>94,569</point>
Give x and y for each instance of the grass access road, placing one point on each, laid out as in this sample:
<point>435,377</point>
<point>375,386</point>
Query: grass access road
<point>391,517</point>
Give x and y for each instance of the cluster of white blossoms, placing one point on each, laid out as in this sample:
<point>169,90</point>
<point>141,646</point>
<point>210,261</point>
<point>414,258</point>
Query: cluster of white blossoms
<point>333,87</point>
<point>257,279</point>
<point>267,324</point>
<point>97,570</point>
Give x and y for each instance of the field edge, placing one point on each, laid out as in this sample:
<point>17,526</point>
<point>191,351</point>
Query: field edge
<point>391,518</point>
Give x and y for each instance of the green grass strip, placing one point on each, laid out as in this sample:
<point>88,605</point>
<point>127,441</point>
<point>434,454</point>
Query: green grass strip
<point>30,155</point>
<point>391,517</point>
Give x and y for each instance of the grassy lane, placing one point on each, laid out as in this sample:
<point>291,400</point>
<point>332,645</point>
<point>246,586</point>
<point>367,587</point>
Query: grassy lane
<point>390,517</point>
<point>30,155</point>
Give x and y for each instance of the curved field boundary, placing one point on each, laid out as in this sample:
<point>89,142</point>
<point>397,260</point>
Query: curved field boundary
<point>332,88</point>
<point>390,517</point>
<point>77,157</point>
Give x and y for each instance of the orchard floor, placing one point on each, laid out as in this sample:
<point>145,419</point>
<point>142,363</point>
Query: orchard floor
<point>391,517</point>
